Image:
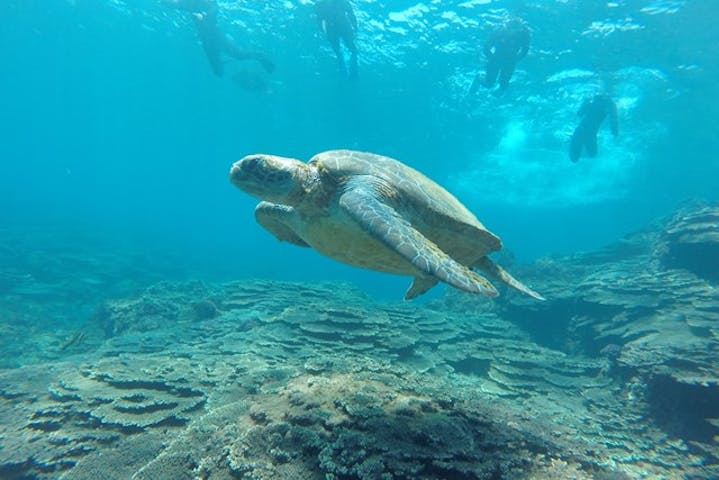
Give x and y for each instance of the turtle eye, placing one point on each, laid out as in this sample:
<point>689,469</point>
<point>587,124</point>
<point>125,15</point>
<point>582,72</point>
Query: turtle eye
<point>252,167</point>
<point>249,165</point>
<point>280,176</point>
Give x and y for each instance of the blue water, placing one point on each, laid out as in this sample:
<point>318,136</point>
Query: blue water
<point>113,122</point>
<point>116,141</point>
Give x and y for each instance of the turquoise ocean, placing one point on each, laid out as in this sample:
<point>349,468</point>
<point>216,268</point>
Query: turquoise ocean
<point>116,142</point>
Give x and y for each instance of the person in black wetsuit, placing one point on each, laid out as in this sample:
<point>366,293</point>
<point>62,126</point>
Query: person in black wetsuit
<point>338,22</point>
<point>503,50</point>
<point>215,41</point>
<point>593,112</point>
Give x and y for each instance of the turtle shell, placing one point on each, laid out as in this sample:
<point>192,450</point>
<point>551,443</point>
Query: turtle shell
<point>427,206</point>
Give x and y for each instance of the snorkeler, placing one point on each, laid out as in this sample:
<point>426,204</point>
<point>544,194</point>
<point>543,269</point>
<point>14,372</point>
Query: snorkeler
<point>338,22</point>
<point>214,41</point>
<point>593,112</point>
<point>505,48</point>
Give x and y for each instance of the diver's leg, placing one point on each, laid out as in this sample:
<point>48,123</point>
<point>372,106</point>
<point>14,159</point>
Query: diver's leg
<point>334,40</point>
<point>492,72</point>
<point>591,144</point>
<point>576,145</point>
<point>212,42</point>
<point>212,50</point>
<point>236,52</point>
<point>505,74</point>
<point>349,42</point>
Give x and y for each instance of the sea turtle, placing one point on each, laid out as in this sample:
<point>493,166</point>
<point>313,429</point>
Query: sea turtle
<point>373,212</point>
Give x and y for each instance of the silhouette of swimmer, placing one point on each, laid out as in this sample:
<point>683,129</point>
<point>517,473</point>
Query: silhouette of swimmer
<point>503,50</point>
<point>338,22</point>
<point>214,40</point>
<point>593,112</point>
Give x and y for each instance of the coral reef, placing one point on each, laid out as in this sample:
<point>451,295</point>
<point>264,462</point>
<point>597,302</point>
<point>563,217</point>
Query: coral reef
<point>289,381</point>
<point>159,304</point>
<point>615,376</point>
<point>691,241</point>
<point>51,282</point>
<point>646,309</point>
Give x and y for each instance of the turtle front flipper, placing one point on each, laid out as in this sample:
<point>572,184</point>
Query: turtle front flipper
<point>276,220</point>
<point>383,222</point>
<point>497,272</point>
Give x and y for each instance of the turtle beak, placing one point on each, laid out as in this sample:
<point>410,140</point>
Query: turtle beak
<point>242,171</point>
<point>236,173</point>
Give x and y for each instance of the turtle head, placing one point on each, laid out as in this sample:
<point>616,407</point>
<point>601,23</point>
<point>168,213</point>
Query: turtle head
<point>271,178</point>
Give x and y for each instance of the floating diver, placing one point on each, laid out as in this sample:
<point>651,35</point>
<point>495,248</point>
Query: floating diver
<point>339,23</point>
<point>503,50</point>
<point>215,41</point>
<point>593,112</point>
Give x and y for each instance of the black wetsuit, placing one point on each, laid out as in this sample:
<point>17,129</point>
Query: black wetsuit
<point>593,112</point>
<point>213,40</point>
<point>504,49</point>
<point>337,20</point>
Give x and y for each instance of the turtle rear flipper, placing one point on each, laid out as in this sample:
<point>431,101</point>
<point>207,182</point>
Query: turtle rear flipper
<point>419,286</point>
<point>497,272</point>
<point>381,221</point>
